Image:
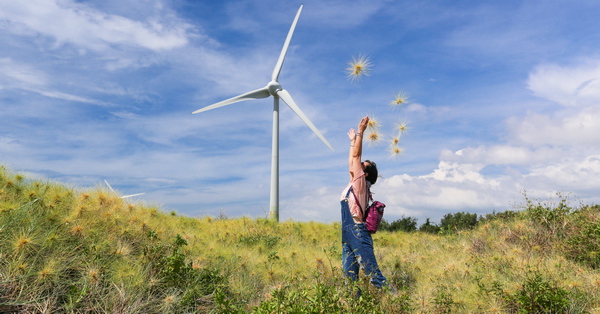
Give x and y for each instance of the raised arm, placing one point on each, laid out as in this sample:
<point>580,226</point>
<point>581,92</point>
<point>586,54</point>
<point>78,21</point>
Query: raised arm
<point>356,141</point>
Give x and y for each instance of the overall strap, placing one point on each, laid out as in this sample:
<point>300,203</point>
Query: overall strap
<point>349,190</point>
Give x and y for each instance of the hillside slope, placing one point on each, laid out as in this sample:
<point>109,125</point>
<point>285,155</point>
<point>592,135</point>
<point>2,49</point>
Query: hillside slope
<point>72,250</point>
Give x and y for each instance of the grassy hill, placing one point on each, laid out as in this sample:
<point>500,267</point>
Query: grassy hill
<point>64,249</point>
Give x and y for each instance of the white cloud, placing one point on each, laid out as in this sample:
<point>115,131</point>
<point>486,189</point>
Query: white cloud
<point>576,85</point>
<point>566,128</point>
<point>67,21</point>
<point>570,175</point>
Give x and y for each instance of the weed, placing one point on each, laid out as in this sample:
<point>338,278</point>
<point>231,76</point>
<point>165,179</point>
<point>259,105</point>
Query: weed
<point>443,301</point>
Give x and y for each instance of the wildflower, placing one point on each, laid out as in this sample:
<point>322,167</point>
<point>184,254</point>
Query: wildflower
<point>122,249</point>
<point>358,67</point>
<point>48,271</point>
<point>22,267</point>
<point>22,243</point>
<point>400,99</point>
<point>77,230</point>
<point>93,275</point>
<point>170,299</point>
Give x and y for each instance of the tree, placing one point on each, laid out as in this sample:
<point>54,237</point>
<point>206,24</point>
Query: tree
<point>429,227</point>
<point>458,221</point>
<point>406,224</point>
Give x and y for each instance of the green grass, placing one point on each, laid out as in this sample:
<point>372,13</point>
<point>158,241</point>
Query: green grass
<point>64,249</point>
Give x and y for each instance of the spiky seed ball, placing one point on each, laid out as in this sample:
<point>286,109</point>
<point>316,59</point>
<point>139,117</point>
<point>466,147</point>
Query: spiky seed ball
<point>373,123</point>
<point>400,99</point>
<point>22,242</point>
<point>358,67</point>
<point>374,138</point>
<point>402,127</point>
<point>396,152</point>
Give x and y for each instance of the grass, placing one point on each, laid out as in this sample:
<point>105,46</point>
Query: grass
<point>64,249</point>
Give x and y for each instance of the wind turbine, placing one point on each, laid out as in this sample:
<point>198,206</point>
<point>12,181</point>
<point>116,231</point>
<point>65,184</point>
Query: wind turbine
<point>274,89</point>
<point>124,196</point>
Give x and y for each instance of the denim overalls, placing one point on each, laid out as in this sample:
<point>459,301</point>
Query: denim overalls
<point>357,248</point>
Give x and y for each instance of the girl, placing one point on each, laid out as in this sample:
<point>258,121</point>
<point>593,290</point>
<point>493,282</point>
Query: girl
<point>357,244</point>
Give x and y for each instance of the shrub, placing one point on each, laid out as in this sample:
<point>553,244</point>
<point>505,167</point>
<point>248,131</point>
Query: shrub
<point>506,216</point>
<point>583,243</point>
<point>406,224</point>
<point>429,227</point>
<point>552,217</point>
<point>537,294</point>
<point>541,295</point>
<point>458,221</point>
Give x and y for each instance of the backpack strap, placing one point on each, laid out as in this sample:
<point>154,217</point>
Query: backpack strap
<point>364,213</point>
<point>369,198</point>
<point>356,199</point>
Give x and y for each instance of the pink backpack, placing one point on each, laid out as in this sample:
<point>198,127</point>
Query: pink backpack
<point>373,214</point>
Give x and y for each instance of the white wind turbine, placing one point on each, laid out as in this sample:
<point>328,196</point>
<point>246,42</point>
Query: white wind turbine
<point>274,89</point>
<point>124,196</point>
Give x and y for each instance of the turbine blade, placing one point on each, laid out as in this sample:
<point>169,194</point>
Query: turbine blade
<point>279,64</point>
<point>255,94</point>
<point>110,187</point>
<point>132,195</point>
<point>287,98</point>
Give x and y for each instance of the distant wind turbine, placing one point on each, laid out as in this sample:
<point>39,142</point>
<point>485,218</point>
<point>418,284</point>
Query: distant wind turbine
<point>124,196</point>
<point>274,89</point>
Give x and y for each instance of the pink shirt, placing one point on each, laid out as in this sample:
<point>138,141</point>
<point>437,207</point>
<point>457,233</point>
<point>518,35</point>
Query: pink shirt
<point>359,188</point>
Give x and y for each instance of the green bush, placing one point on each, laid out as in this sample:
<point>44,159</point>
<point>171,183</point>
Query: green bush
<point>552,217</point>
<point>583,242</point>
<point>406,224</point>
<point>451,223</point>
<point>541,295</point>
<point>507,216</point>
<point>537,294</point>
<point>429,227</point>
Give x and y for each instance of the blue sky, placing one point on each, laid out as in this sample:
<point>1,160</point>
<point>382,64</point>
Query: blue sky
<point>504,97</point>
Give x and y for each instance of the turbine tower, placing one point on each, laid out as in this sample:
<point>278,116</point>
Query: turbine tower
<point>274,89</point>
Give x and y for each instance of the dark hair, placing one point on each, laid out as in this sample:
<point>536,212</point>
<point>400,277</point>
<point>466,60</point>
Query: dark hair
<point>371,169</point>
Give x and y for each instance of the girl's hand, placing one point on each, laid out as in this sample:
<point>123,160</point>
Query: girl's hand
<point>352,135</point>
<point>362,126</point>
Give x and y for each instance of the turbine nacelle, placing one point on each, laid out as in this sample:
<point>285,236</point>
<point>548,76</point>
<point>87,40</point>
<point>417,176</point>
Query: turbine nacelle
<point>273,87</point>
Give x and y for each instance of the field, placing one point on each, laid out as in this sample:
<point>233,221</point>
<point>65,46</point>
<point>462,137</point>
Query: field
<point>64,249</point>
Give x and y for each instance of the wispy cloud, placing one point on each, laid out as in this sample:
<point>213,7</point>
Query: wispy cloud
<point>88,28</point>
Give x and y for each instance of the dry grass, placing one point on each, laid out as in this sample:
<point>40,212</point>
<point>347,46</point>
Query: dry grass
<point>67,250</point>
